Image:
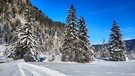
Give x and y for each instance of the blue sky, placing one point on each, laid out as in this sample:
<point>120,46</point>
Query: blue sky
<point>99,15</point>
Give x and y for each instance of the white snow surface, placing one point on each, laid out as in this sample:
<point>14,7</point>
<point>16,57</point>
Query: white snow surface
<point>26,69</point>
<point>99,67</point>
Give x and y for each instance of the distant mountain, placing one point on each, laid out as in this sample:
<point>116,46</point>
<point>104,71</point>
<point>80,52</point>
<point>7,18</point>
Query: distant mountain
<point>129,44</point>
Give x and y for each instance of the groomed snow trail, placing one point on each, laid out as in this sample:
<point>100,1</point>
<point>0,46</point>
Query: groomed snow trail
<point>26,69</point>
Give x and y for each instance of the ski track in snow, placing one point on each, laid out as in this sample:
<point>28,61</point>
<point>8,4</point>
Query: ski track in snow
<point>26,69</point>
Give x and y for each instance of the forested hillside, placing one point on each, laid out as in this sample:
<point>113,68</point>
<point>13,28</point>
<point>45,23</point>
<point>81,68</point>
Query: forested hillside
<point>12,16</point>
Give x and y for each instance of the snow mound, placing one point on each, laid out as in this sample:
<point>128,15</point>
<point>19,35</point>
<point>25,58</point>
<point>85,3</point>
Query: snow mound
<point>26,69</point>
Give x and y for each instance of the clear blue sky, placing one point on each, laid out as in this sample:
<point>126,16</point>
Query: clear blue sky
<point>99,15</point>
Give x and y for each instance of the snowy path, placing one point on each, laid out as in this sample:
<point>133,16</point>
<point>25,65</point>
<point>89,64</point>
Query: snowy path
<point>99,68</point>
<point>26,69</point>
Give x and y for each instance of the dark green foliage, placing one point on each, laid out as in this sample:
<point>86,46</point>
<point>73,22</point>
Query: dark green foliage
<point>40,11</point>
<point>22,8</point>
<point>18,22</point>
<point>10,1</point>
<point>72,18</point>
<point>83,30</point>
<point>35,7</point>
<point>7,33</point>
<point>76,47</point>
<point>116,44</point>
<point>86,48</point>
<point>13,10</point>
<point>26,45</point>
<point>104,51</point>
<point>28,57</point>
<point>70,36</point>
<point>1,5</point>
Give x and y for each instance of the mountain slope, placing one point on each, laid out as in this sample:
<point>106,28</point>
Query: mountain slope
<point>49,33</point>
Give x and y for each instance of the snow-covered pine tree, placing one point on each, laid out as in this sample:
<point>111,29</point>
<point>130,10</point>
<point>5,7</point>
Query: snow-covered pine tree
<point>116,44</point>
<point>83,30</point>
<point>104,51</point>
<point>69,46</point>
<point>25,45</point>
<point>133,53</point>
<point>76,46</point>
<point>85,52</point>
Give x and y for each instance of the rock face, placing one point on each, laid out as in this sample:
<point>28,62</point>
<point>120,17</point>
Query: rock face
<point>49,33</point>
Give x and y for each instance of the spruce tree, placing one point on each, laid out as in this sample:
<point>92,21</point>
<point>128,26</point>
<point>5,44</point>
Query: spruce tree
<point>116,44</point>
<point>133,53</point>
<point>69,45</point>
<point>104,51</point>
<point>85,52</point>
<point>25,45</point>
<point>83,30</point>
<point>76,47</point>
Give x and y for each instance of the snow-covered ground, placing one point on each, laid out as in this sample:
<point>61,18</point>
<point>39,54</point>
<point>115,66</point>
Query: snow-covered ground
<point>26,69</point>
<point>97,68</point>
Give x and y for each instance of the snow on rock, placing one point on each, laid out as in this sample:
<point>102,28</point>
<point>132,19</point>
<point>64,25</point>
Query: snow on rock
<point>26,69</point>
